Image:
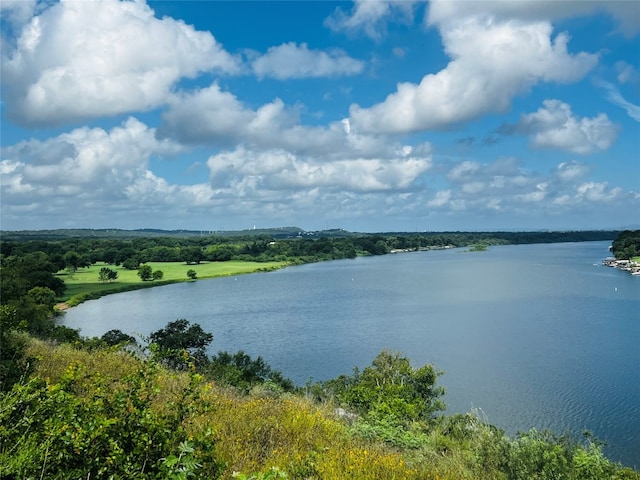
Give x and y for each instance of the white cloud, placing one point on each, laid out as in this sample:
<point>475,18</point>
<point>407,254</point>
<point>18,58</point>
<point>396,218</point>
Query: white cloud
<point>464,170</point>
<point>290,60</point>
<point>572,170</point>
<point>17,12</point>
<point>371,17</point>
<point>555,126</point>
<point>626,13</point>
<point>84,169</point>
<point>486,72</point>
<point>212,116</point>
<point>440,199</point>
<point>208,115</point>
<point>615,97</point>
<point>626,73</point>
<point>241,169</point>
<point>399,52</point>
<point>81,60</point>
<point>504,185</point>
<point>535,196</point>
<point>598,192</point>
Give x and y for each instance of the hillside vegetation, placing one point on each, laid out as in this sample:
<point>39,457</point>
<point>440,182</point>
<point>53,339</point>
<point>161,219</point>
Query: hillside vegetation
<point>93,411</point>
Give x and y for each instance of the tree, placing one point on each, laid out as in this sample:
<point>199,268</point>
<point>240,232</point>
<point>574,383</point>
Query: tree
<point>391,388</point>
<point>243,372</point>
<point>145,272</point>
<point>19,274</point>
<point>192,274</point>
<point>107,275</point>
<point>73,261</point>
<point>117,337</point>
<point>179,338</point>
<point>191,255</point>
<point>113,275</point>
<point>131,263</point>
<point>157,275</point>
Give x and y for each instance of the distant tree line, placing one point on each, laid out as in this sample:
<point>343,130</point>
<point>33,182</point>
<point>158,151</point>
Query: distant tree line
<point>77,253</point>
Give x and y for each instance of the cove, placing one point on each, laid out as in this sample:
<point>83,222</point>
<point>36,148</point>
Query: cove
<point>537,336</point>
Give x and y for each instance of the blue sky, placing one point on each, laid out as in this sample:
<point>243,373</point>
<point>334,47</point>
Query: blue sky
<point>366,115</point>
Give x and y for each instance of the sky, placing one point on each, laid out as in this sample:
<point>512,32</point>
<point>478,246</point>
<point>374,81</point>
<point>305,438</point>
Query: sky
<point>371,116</point>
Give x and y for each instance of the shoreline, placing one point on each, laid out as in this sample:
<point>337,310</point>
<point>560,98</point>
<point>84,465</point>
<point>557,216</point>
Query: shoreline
<point>625,265</point>
<point>62,306</point>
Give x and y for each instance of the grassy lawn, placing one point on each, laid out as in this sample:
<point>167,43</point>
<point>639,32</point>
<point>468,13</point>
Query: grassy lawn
<point>85,284</point>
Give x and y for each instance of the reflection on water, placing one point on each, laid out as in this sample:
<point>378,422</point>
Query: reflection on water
<point>535,335</point>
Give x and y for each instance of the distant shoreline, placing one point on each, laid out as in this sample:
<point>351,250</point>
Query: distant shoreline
<point>626,265</point>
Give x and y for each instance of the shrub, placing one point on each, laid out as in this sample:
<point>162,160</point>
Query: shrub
<point>87,427</point>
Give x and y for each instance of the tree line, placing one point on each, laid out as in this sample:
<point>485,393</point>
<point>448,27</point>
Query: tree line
<point>132,252</point>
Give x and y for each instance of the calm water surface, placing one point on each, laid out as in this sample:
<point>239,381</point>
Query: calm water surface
<point>533,335</point>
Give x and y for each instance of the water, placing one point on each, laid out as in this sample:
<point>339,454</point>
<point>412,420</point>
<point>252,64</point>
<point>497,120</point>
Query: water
<point>533,335</point>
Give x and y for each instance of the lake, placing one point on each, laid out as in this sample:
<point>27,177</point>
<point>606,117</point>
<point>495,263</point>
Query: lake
<point>537,336</point>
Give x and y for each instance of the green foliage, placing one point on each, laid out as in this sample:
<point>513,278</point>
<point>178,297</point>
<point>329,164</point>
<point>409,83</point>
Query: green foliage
<point>273,473</point>
<point>192,274</point>
<point>191,255</point>
<point>386,428</point>
<point>85,427</point>
<point>626,245</point>
<point>107,414</point>
<point>145,272</point>
<point>13,365</point>
<point>157,275</point>
<point>179,344</point>
<point>29,288</point>
<point>241,371</point>
<point>131,263</point>
<point>543,455</point>
<point>21,273</point>
<point>391,387</point>
<point>117,337</point>
<point>181,467</point>
<point>107,275</point>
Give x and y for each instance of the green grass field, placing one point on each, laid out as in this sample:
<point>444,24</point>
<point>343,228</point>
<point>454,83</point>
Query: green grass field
<point>85,284</point>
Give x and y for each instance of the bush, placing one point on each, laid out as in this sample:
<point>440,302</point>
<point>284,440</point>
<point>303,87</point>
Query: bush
<point>86,427</point>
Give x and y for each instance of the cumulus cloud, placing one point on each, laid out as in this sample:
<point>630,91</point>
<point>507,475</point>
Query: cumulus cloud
<point>215,117</point>
<point>572,170</point>
<point>282,170</point>
<point>555,126</point>
<point>626,14</point>
<point>81,60</point>
<point>598,192</point>
<point>291,60</point>
<point>506,186</point>
<point>492,62</point>
<point>87,169</point>
<point>371,17</point>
